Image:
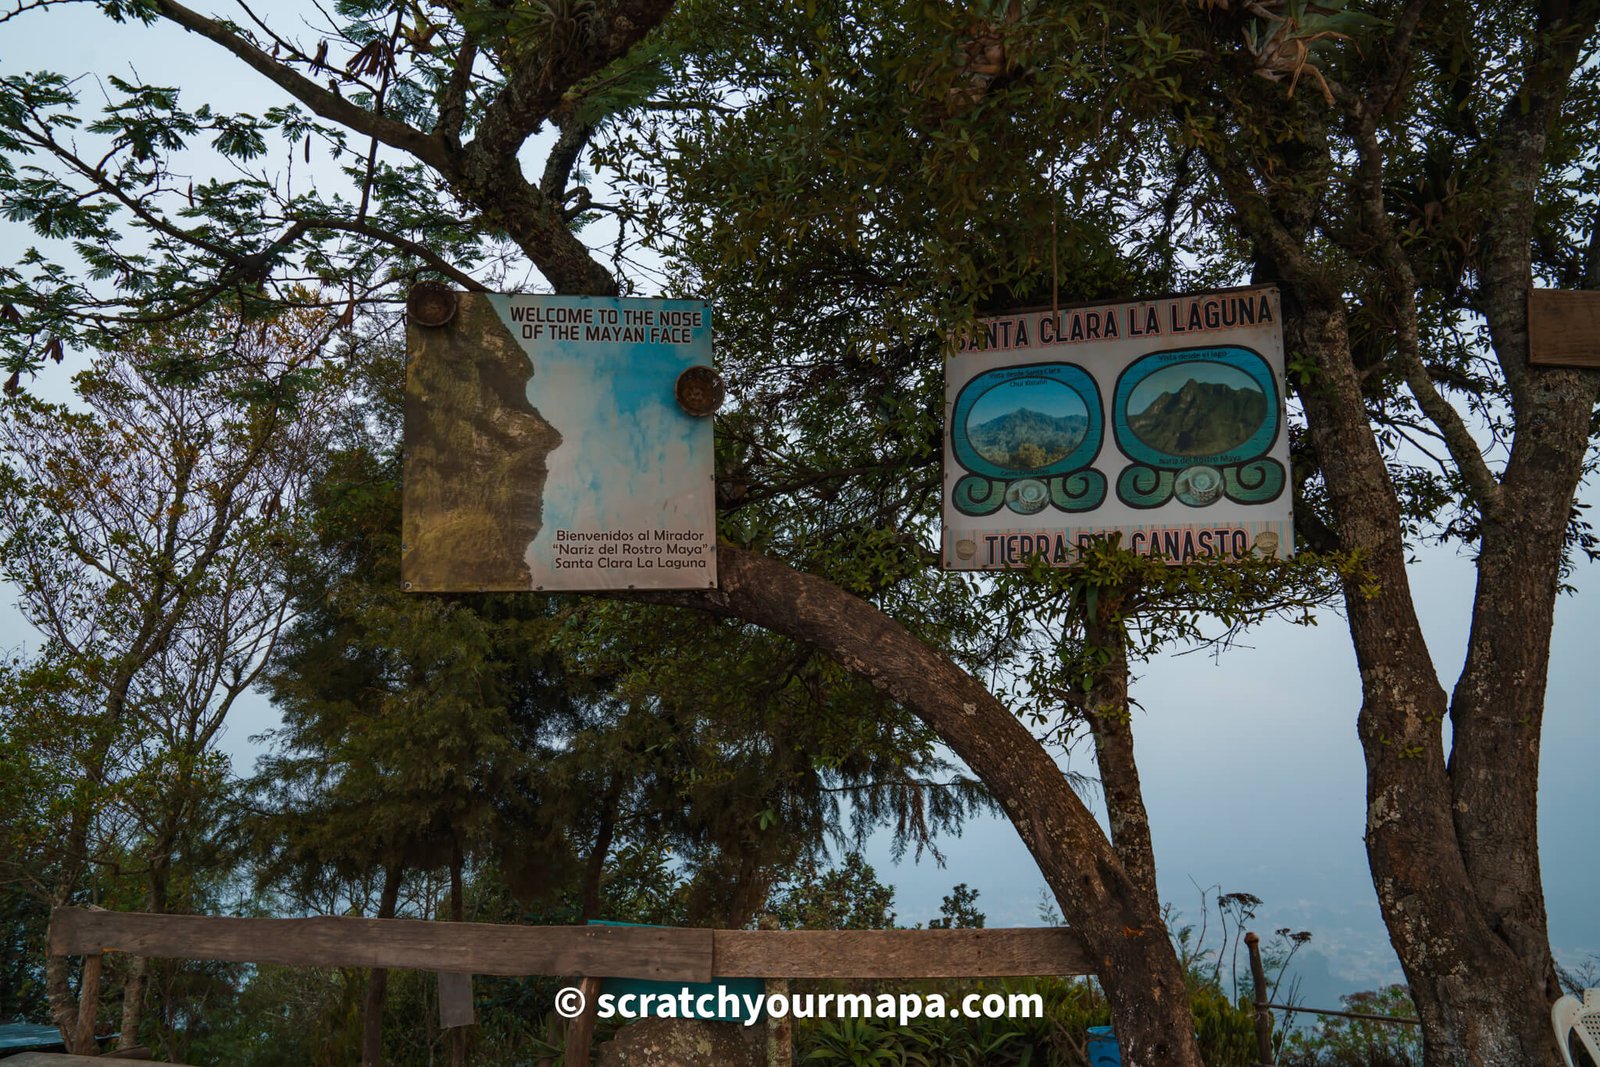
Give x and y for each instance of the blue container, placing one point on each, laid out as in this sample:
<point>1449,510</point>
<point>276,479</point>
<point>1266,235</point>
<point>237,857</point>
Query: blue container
<point>1103,1050</point>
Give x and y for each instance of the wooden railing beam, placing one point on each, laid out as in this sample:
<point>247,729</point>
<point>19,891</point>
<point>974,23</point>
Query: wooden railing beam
<point>664,954</point>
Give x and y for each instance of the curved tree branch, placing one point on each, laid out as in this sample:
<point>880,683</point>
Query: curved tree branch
<point>428,148</point>
<point>1106,905</point>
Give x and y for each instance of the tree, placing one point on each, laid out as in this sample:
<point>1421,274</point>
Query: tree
<point>959,910</point>
<point>445,98</point>
<point>142,529</point>
<point>1407,199</point>
<point>537,738</point>
<point>1405,174</point>
<point>847,896</point>
<point>540,61</point>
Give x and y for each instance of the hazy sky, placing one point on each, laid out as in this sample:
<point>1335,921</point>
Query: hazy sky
<point>1252,770</point>
<point>1044,395</point>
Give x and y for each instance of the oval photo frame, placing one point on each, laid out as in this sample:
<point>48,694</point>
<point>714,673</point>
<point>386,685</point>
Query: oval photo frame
<point>1215,366</point>
<point>1043,379</point>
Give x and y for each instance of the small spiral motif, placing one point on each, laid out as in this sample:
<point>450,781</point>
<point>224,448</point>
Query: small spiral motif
<point>1082,490</point>
<point>979,496</point>
<point>1255,483</point>
<point>1144,487</point>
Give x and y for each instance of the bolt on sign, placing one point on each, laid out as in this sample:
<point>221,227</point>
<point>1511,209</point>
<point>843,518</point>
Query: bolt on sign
<point>1160,422</point>
<point>558,443</point>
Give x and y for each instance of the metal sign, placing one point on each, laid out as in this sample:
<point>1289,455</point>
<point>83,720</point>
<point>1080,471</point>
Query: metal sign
<point>546,446</point>
<point>1160,422</point>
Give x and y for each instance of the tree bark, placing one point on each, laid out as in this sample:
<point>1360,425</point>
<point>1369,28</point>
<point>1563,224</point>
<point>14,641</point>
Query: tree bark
<point>378,980</point>
<point>456,1036</point>
<point>594,868</point>
<point>63,1005</point>
<point>1452,843</point>
<point>57,969</point>
<point>1458,971</point>
<point>1110,715</point>
<point>156,902</point>
<point>132,1001</point>
<point>1497,708</point>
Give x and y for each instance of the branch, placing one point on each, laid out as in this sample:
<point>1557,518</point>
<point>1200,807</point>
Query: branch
<point>453,104</point>
<point>405,244</point>
<point>24,6</point>
<point>1255,216</point>
<point>104,183</point>
<point>1517,155</point>
<point>1391,79</point>
<point>563,157</point>
<point>330,105</point>
<point>1401,282</point>
<point>536,85</point>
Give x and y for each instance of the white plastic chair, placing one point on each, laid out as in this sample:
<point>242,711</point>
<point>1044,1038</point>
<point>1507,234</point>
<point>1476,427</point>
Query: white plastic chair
<point>1570,1016</point>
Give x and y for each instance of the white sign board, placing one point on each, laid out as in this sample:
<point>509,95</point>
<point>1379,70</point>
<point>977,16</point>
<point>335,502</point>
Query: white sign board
<point>1161,422</point>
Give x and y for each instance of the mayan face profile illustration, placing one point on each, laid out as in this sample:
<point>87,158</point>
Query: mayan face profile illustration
<point>1198,423</point>
<point>476,456</point>
<point>1027,436</point>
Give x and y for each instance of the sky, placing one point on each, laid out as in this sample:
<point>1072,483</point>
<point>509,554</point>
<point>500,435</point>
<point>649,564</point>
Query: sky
<point>1047,396</point>
<point>1252,770</point>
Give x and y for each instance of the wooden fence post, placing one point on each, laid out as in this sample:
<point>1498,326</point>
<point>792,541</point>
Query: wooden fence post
<point>83,1043</point>
<point>1258,978</point>
<point>580,1031</point>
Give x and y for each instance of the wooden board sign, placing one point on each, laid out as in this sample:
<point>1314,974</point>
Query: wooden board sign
<point>1564,327</point>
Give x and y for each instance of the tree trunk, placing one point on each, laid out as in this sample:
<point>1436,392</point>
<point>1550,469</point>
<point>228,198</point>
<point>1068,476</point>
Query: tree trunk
<point>132,1001</point>
<point>1481,995</point>
<point>378,980</point>
<point>595,867</point>
<point>1452,844</point>
<point>1105,905</point>
<point>1497,708</point>
<point>63,1005</point>
<point>156,902</point>
<point>1110,715</point>
<point>57,969</point>
<point>456,1036</point>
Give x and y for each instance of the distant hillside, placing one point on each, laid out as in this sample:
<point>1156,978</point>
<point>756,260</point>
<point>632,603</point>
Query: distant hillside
<point>1026,439</point>
<point>1201,419</point>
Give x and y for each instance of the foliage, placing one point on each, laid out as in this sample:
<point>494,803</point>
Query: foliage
<point>845,897</point>
<point>1338,1042</point>
<point>23,920</point>
<point>1055,1039</point>
<point>958,910</point>
<point>855,180</point>
<point>570,728</point>
<point>143,527</point>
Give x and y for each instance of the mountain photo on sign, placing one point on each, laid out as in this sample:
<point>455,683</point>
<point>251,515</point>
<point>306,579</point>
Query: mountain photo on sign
<point>1196,408</point>
<point>1027,423</point>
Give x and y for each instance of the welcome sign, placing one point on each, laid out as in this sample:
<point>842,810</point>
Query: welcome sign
<point>1159,422</point>
<point>546,447</point>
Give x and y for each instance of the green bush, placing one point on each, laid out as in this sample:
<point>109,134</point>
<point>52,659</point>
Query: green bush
<point>1056,1039</point>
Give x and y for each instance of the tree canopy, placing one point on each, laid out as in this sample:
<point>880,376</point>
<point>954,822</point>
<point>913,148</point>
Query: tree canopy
<point>853,181</point>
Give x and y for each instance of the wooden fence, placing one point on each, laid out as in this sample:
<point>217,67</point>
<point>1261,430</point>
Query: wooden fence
<point>591,952</point>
